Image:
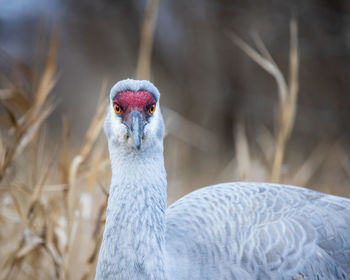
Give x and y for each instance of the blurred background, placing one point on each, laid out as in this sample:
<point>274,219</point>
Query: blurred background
<point>225,115</point>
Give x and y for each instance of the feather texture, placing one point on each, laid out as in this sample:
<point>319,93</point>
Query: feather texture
<point>258,231</point>
<point>227,231</point>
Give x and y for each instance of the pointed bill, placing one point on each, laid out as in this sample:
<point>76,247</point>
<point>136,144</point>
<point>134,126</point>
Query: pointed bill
<point>136,127</point>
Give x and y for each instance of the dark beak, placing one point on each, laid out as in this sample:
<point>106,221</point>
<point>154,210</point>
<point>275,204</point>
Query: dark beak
<point>135,125</point>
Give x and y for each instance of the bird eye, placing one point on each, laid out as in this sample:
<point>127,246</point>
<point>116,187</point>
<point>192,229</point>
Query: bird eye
<point>152,109</point>
<point>117,108</point>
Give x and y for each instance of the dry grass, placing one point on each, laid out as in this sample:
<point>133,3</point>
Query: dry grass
<point>53,200</point>
<point>146,44</point>
<point>288,93</point>
<point>44,205</point>
<point>52,214</point>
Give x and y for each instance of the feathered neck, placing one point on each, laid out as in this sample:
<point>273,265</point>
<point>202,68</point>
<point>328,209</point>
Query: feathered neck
<point>133,240</point>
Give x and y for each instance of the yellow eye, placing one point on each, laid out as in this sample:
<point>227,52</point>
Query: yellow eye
<point>152,109</point>
<point>117,108</point>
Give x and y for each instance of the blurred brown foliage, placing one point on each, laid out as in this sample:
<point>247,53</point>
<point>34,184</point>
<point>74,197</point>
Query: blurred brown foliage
<point>226,120</point>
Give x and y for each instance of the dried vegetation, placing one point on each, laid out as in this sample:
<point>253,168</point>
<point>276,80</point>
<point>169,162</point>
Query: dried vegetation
<point>53,198</point>
<point>46,193</point>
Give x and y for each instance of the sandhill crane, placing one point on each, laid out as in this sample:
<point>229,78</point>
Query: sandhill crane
<point>227,231</point>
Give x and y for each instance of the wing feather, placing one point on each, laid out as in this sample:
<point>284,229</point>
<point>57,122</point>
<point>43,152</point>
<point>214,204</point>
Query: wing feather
<point>261,231</point>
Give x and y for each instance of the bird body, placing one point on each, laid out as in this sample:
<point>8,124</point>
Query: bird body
<point>250,230</point>
<point>227,231</point>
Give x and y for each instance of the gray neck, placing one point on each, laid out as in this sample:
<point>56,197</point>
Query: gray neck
<point>133,240</point>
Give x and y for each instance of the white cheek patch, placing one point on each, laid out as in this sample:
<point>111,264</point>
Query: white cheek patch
<point>151,128</point>
<point>130,141</point>
<point>118,129</point>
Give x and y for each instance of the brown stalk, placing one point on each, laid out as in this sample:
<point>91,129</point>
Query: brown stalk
<point>27,125</point>
<point>64,163</point>
<point>201,138</point>
<point>90,139</point>
<point>242,152</point>
<point>287,93</point>
<point>86,149</point>
<point>288,107</point>
<point>97,235</point>
<point>36,206</point>
<point>147,32</point>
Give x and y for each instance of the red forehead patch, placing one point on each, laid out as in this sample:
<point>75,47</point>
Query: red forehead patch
<point>134,99</point>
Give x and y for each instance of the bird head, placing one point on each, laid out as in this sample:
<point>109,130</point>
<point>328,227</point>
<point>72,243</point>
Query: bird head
<point>134,118</point>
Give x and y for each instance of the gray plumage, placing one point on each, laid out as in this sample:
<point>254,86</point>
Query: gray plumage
<point>227,231</point>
